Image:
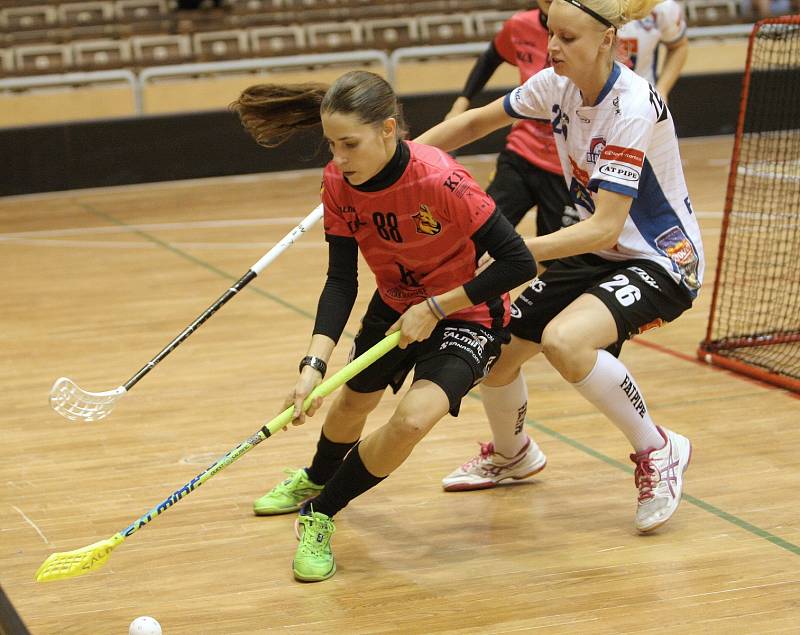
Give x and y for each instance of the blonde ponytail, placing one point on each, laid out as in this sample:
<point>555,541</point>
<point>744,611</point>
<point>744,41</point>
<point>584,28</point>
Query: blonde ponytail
<point>620,12</point>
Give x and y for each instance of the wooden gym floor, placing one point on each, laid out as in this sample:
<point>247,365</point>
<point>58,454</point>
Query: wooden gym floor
<point>97,282</point>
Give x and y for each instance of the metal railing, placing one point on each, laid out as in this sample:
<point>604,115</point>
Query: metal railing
<point>390,63</point>
<point>76,79</point>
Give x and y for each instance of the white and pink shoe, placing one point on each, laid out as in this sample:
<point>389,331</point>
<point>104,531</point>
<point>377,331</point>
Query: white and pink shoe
<point>659,477</point>
<point>489,468</point>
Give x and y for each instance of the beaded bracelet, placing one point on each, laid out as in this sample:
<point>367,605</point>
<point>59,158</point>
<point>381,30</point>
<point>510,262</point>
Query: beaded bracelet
<point>433,305</point>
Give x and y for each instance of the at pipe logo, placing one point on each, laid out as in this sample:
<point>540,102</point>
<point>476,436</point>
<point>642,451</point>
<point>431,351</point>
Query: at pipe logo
<point>619,171</point>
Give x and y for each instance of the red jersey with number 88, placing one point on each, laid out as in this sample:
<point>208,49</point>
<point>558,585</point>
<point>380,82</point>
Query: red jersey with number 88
<point>415,234</point>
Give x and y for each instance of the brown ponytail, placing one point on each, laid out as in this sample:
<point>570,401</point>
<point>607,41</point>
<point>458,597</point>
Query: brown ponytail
<point>271,113</point>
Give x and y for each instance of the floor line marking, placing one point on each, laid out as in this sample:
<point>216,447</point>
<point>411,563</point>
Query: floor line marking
<point>32,524</point>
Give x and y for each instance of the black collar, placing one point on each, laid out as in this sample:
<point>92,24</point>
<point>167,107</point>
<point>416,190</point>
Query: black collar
<point>390,173</point>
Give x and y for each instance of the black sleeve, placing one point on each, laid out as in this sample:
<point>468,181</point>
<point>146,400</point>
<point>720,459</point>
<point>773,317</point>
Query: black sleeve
<point>513,263</point>
<point>341,287</point>
<point>484,68</point>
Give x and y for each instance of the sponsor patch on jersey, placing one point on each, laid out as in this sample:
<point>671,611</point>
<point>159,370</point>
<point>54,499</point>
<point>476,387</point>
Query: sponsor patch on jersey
<point>680,250</point>
<point>621,171</point>
<point>425,221</point>
<point>631,156</point>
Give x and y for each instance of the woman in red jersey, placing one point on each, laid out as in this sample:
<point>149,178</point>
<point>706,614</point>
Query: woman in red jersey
<point>528,171</point>
<point>421,223</point>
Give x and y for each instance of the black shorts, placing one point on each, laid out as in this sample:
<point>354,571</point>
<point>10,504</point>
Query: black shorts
<point>456,356</point>
<point>638,293</point>
<point>517,186</point>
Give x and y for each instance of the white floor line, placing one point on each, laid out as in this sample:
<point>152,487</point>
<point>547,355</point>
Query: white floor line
<point>32,524</point>
<point>52,237</point>
<point>117,229</point>
<point>144,244</point>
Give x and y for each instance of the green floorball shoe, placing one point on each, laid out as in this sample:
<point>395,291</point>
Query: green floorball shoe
<point>313,560</point>
<point>287,496</point>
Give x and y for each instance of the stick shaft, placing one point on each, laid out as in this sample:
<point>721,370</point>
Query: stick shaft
<point>325,388</point>
<point>240,284</point>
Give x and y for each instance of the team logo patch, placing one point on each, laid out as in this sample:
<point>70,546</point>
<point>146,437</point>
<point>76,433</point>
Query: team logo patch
<point>680,250</point>
<point>630,156</point>
<point>425,221</point>
<point>596,146</point>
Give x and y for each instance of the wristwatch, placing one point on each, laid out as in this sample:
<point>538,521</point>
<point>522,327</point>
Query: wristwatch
<point>315,362</point>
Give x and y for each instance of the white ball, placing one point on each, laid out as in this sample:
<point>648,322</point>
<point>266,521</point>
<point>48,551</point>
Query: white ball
<point>144,625</point>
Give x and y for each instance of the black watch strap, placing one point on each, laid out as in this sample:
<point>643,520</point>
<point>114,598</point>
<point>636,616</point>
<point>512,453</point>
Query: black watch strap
<point>315,362</point>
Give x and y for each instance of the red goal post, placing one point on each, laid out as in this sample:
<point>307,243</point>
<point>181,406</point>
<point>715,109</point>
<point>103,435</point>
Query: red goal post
<point>754,321</point>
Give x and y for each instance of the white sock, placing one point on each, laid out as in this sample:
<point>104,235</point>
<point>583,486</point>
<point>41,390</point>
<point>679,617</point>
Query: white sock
<point>610,387</point>
<point>505,408</point>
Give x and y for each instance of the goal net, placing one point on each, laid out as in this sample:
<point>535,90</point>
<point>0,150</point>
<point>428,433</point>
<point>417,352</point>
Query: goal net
<point>754,323</point>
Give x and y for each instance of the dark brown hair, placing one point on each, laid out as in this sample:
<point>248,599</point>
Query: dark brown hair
<point>272,113</point>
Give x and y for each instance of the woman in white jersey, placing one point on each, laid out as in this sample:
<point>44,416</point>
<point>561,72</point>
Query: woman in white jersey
<point>634,261</point>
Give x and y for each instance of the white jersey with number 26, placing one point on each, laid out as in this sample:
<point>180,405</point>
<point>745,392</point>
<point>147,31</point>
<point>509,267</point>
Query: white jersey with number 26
<point>625,143</point>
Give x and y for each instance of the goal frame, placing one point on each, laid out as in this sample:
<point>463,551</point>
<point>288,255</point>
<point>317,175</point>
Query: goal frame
<point>708,350</point>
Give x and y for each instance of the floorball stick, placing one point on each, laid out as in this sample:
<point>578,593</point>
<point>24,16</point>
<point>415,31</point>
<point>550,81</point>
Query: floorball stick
<point>73,402</point>
<point>69,564</point>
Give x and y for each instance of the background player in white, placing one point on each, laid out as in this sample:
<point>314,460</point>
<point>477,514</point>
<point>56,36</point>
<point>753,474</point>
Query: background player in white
<point>634,261</point>
<point>639,43</point>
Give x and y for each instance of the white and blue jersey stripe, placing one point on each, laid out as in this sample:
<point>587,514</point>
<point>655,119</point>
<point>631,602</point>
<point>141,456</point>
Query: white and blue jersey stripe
<point>625,143</point>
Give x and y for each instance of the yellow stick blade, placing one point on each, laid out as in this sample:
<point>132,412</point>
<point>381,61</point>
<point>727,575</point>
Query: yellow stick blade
<point>70,564</point>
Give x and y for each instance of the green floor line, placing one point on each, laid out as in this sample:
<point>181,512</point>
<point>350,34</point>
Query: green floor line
<point>197,261</point>
<point>723,515</point>
<point>697,502</point>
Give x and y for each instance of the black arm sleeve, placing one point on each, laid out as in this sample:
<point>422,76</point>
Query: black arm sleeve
<point>513,263</point>
<point>341,287</point>
<point>484,68</point>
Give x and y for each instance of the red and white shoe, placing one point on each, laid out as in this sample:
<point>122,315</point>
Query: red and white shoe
<point>489,468</point>
<point>659,477</point>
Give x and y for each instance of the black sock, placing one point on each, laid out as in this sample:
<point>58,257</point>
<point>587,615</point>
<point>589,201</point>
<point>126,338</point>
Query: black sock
<point>351,479</point>
<point>327,459</point>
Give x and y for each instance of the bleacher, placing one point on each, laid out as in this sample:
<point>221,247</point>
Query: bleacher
<point>39,37</point>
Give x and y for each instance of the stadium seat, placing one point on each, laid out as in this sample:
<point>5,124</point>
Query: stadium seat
<point>712,11</point>
<point>276,40</point>
<point>43,58</point>
<point>220,44</point>
<point>148,49</point>
<point>140,9</point>
<point>40,16</point>
<point>334,35</point>
<point>85,13</point>
<point>390,32</point>
<point>444,28</point>
<point>107,53</point>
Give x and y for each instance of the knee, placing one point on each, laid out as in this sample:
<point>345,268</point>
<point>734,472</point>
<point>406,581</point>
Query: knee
<point>407,428</point>
<point>558,345</point>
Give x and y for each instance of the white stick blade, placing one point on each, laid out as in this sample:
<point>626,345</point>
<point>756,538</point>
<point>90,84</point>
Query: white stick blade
<point>73,402</point>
